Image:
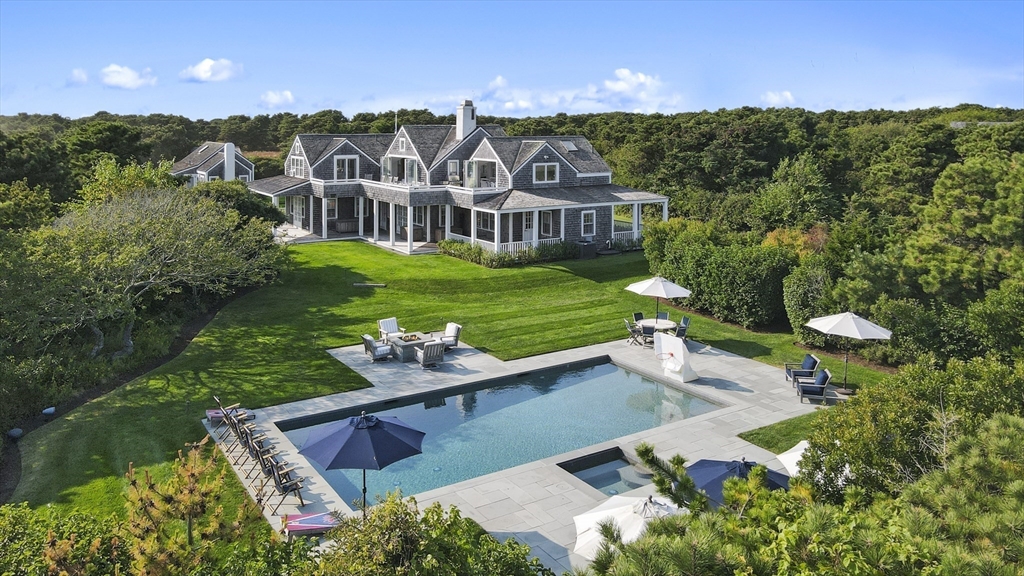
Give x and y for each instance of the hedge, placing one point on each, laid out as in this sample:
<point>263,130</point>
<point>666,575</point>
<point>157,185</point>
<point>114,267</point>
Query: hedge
<point>478,255</point>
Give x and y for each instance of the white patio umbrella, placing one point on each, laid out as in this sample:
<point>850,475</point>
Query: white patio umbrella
<point>629,513</point>
<point>791,458</point>
<point>848,325</point>
<point>659,288</point>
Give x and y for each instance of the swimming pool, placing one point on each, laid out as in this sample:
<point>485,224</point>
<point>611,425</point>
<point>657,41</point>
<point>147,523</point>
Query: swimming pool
<point>515,421</point>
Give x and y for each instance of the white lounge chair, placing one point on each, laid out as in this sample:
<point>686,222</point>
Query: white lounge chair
<point>451,335</point>
<point>389,327</point>
<point>375,350</point>
<point>431,354</point>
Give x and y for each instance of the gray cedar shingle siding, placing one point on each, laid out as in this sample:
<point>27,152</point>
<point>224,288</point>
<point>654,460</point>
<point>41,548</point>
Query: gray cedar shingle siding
<point>325,169</point>
<point>460,151</point>
<point>523,179</point>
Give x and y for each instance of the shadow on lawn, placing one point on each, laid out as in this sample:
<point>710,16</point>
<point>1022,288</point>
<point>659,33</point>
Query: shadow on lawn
<point>609,269</point>
<point>739,347</point>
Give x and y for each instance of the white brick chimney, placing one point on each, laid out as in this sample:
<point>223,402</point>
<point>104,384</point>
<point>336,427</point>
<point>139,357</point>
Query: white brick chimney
<point>465,119</point>
<point>229,161</point>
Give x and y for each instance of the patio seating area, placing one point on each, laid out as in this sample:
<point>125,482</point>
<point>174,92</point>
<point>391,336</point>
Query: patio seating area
<point>396,343</point>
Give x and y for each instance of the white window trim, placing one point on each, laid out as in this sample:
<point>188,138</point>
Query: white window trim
<point>334,210</point>
<point>401,145</point>
<point>481,221</point>
<point>545,217</point>
<point>545,165</point>
<point>418,215</point>
<point>366,207</point>
<point>346,157</point>
<point>593,223</point>
<point>453,172</point>
<point>245,178</point>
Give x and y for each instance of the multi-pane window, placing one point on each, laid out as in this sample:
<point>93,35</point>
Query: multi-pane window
<point>332,208</point>
<point>355,207</point>
<point>401,144</point>
<point>453,169</point>
<point>346,167</point>
<point>485,221</point>
<point>401,218</point>
<point>547,172</point>
<point>545,223</point>
<point>297,166</point>
<point>588,224</point>
<point>417,215</point>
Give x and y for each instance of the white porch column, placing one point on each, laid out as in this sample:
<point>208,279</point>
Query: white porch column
<point>536,228</point>
<point>426,224</point>
<point>391,223</point>
<point>561,225</point>
<point>323,214</point>
<point>472,226</point>
<point>410,228</point>
<point>376,220</point>
<point>497,232</point>
<point>664,212</point>
<point>636,221</point>
<point>447,220</point>
<point>359,210</point>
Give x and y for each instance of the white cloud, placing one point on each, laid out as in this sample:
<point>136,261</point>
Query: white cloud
<point>125,77</point>
<point>272,99</point>
<point>209,70</point>
<point>628,90</point>
<point>784,98</point>
<point>629,82</point>
<point>78,77</point>
<point>498,82</point>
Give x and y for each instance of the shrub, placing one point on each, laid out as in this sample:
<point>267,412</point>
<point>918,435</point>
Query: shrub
<point>997,321</point>
<point>918,329</point>
<point>807,293</point>
<point>479,255</point>
<point>50,541</point>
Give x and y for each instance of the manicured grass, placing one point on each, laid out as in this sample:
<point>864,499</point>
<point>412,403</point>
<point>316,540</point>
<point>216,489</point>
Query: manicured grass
<point>269,347</point>
<point>782,436</point>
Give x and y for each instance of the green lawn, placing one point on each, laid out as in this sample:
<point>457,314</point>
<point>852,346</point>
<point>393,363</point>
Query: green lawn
<point>268,347</point>
<point>782,436</point>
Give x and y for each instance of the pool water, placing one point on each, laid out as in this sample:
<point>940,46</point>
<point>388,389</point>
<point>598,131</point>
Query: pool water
<point>528,418</point>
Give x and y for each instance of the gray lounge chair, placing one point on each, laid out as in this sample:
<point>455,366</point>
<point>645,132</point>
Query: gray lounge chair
<point>803,369</point>
<point>808,388</point>
<point>431,354</point>
<point>389,327</point>
<point>451,335</point>
<point>375,350</point>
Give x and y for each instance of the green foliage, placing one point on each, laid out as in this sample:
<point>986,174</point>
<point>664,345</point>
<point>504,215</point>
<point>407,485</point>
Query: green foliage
<point>39,161</point>
<point>797,197</point>
<point>234,195</point>
<point>24,207</point>
<point>997,321</point>
<point>479,255</point>
<point>266,167</point>
<point>807,293</point>
<point>671,479</point>
<point>52,541</point>
<point>880,439</point>
<point>395,539</point>
<point>735,282</point>
<point>88,144</point>
<point>110,180</point>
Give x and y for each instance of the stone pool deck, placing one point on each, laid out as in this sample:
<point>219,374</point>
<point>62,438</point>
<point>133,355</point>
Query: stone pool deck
<point>536,502</point>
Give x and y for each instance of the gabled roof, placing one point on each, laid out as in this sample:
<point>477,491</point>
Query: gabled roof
<point>197,156</point>
<point>314,145</point>
<point>373,145</point>
<point>427,140</point>
<point>450,143</point>
<point>212,161</point>
<point>515,151</point>
<point>507,149</point>
<point>584,158</point>
<point>278,184</point>
<point>574,195</point>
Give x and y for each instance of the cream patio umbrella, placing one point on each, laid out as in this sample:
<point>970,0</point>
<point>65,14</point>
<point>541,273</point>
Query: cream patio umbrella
<point>630,514</point>
<point>848,325</point>
<point>659,288</point>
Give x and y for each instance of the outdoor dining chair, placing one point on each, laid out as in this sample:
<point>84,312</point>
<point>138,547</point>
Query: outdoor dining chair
<point>647,335</point>
<point>807,388</point>
<point>683,327</point>
<point>634,333</point>
<point>638,316</point>
<point>662,316</point>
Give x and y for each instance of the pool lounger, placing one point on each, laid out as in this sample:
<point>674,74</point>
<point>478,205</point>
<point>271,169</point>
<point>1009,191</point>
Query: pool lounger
<point>309,524</point>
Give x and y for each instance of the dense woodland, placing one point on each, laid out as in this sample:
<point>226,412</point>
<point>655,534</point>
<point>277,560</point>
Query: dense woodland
<point>913,219</point>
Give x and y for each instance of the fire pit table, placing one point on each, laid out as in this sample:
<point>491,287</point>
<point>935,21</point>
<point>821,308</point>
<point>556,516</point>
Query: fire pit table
<point>403,348</point>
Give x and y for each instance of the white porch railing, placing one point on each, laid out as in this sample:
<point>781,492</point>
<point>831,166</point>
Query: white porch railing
<point>548,241</point>
<point>459,237</point>
<point>627,235</point>
<point>507,247</point>
<point>516,247</point>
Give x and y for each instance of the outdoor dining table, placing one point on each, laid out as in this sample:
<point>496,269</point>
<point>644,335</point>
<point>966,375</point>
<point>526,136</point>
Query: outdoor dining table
<point>658,324</point>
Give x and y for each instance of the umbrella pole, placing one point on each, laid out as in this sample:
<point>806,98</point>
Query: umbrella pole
<point>846,363</point>
<point>364,494</point>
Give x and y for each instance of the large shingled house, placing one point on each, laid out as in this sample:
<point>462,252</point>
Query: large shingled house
<point>214,161</point>
<point>474,183</point>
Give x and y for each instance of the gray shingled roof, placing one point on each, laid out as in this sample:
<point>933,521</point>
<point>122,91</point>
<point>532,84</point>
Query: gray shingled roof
<point>526,151</point>
<point>585,158</point>
<point>428,140</point>
<point>276,184</point>
<point>211,162</point>
<point>507,149</point>
<point>373,145</point>
<point>494,130</point>
<point>572,196</point>
<point>514,151</point>
<point>314,145</point>
<point>450,143</point>
<point>197,156</point>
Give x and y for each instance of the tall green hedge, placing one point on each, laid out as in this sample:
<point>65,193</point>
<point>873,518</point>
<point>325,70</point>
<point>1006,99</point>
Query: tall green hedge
<point>729,278</point>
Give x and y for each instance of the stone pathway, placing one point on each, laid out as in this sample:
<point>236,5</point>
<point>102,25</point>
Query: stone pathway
<point>536,502</point>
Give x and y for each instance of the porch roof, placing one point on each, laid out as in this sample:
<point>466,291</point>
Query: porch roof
<point>277,185</point>
<point>573,196</point>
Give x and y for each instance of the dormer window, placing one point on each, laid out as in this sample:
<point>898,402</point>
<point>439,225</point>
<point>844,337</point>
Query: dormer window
<point>401,144</point>
<point>296,166</point>
<point>346,167</point>
<point>545,173</point>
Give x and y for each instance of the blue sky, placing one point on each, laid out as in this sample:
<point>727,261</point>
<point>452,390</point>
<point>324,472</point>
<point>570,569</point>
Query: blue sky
<point>209,59</point>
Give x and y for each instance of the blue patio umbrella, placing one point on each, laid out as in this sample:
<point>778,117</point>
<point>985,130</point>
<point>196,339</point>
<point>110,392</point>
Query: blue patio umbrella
<point>362,442</point>
<point>710,476</point>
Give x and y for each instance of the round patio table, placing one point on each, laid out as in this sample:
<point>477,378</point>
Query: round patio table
<point>659,325</point>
